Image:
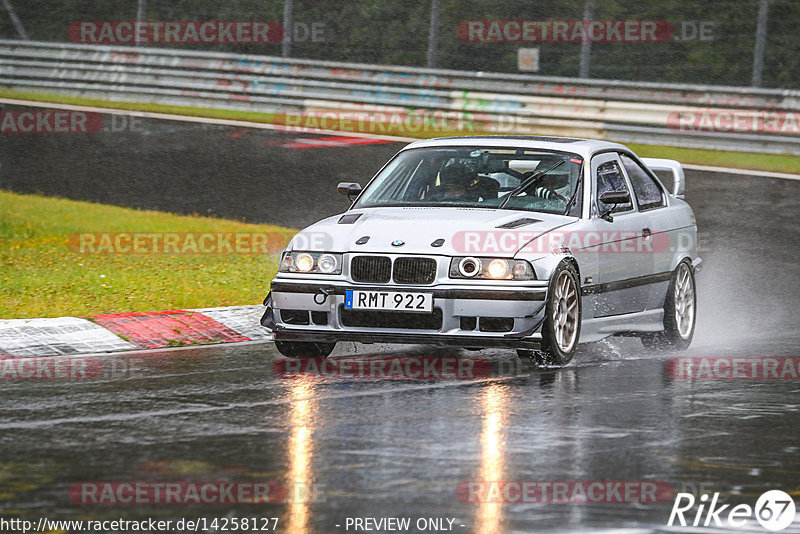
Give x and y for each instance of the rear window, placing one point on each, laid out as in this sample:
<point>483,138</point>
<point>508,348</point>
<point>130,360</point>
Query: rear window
<point>648,193</point>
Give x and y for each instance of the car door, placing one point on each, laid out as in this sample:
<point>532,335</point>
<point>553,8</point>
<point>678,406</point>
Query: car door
<point>664,228</point>
<point>624,263</point>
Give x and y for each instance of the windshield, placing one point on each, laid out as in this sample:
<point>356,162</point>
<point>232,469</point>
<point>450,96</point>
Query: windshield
<point>506,178</point>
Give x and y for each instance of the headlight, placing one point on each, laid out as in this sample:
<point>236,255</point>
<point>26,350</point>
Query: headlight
<point>327,263</point>
<point>498,269</point>
<point>311,262</point>
<point>304,262</point>
<point>491,269</point>
<point>287,263</point>
<point>469,267</point>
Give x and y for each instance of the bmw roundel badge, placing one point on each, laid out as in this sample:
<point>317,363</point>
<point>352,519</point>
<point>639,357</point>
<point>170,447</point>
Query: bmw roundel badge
<point>398,243</point>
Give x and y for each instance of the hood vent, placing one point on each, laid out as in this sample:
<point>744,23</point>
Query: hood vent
<point>349,218</point>
<point>438,243</point>
<point>525,221</point>
<point>362,240</point>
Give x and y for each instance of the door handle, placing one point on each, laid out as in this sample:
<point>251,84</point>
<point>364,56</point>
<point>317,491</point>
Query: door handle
<point>646,232</point>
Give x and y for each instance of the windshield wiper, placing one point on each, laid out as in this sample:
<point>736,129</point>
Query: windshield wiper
<point>525,184</point>
<point>574,195</point>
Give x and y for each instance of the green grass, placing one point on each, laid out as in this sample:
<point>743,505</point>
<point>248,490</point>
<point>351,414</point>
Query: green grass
<point>228,114</point>
<point>42,276</point>
<point>719,158</point>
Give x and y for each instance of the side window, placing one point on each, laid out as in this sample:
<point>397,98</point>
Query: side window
<point>609,178</point>
<point>648,193</point>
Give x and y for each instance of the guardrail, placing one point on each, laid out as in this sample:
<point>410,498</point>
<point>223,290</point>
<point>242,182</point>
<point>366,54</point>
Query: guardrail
<point>506,103</point>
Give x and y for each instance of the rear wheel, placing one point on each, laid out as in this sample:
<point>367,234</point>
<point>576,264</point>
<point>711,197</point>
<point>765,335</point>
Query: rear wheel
<point>304,349</point>
<point>679,313</point>
<point>562,324</point>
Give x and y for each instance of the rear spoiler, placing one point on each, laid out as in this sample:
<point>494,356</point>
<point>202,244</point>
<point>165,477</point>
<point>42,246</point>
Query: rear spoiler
<point>670,165</point>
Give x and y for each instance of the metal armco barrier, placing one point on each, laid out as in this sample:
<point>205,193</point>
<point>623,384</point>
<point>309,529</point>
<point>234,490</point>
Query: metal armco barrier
<point>744,119</point>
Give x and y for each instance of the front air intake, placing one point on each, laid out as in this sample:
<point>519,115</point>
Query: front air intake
<point>371,269</point>
<point>414,270</point>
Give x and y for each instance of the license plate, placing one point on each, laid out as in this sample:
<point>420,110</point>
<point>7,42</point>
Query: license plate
<point>356,299</point>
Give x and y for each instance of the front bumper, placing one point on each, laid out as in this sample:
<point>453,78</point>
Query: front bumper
<point>520,309</point>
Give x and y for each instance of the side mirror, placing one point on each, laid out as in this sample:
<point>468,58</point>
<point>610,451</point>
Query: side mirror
<point>350,189</point>
<point>615,197</point>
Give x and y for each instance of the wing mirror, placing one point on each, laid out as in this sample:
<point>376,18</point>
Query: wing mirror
<point>613,198</point>
<point>351,189</point>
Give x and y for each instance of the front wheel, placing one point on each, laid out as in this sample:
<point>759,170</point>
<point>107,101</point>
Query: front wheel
<point>304,349</point>
<point>562,324</point>
<point>679,313</point>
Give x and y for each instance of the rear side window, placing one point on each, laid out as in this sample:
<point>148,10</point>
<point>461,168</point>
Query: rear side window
<point>609,178</point>
<point>648,193</point>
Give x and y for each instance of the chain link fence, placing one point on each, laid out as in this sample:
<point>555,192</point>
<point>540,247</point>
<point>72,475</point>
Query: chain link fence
<point>696,42</point>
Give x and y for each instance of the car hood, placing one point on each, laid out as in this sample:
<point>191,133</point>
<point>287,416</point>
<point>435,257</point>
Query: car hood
<point>419,227</point>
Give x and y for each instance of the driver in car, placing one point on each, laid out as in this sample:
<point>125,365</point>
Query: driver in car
<point>552,186</point>
<point>458,182</point>
<point>548,192</point>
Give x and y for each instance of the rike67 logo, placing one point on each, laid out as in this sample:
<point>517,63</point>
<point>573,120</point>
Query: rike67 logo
<point>774,510</point>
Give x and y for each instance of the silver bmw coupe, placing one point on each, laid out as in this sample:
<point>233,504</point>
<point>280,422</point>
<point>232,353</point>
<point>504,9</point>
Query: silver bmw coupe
<point>532,243</point>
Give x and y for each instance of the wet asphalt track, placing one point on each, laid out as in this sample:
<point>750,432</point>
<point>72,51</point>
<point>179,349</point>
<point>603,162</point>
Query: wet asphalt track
<point>398,448</point>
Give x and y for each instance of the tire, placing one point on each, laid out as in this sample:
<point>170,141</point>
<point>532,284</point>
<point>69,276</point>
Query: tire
<point>304,349</point>
<point>680,312</point>
<point>561,329</point>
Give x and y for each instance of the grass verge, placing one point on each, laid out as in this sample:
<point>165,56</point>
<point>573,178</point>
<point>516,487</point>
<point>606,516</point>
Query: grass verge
<point>44,277</point>
<point>719,158</point>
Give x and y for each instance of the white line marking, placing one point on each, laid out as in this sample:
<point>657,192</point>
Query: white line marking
<point>727,170</point>
<point>165,350</point>
<point>205,120</point>
<point>265,126</point>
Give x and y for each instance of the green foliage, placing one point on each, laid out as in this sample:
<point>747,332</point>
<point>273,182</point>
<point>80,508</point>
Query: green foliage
<point>396,32</point>
<point>41,276</point>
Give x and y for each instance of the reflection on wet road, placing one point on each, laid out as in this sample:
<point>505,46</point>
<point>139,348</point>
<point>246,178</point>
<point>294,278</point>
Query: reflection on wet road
<point>399,448</point>
<point>488,515</point>
<point>300,451</point>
